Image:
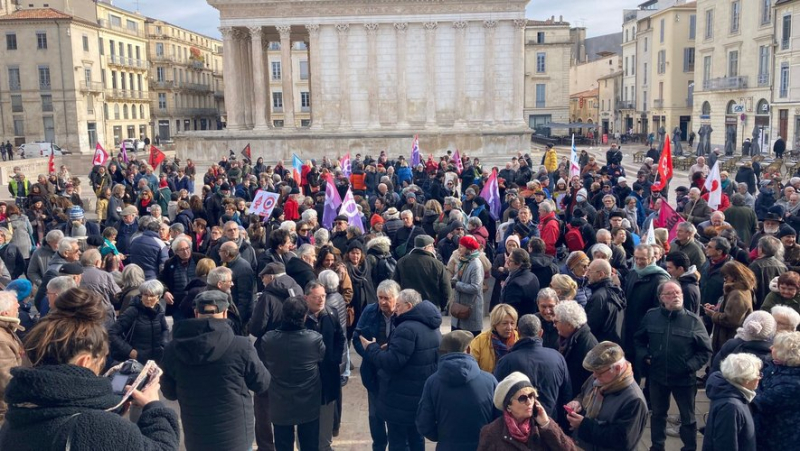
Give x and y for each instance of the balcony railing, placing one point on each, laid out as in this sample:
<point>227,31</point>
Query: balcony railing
<point>658,103</point>
<point>162,59</point>
<point>219,94</point>
<point>126,94</point>
<point>196,87</point>
<point>44,86</point>
<point>91,86</point>
<point>104,23</point>
<point>625,105</point>
<point>725,84</point>
<point>189,112</point>
<point>763,80</point>
<point>198,65</point>
<point>134,63</point>
<point>165,84</point>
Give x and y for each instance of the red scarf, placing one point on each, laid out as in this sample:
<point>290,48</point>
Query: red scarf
<point>519,431</point>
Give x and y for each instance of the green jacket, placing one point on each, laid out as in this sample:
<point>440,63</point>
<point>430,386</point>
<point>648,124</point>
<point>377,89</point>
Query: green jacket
<point>13,188</point>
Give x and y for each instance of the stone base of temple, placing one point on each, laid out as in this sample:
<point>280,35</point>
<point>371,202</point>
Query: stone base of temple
<point>209,146</point>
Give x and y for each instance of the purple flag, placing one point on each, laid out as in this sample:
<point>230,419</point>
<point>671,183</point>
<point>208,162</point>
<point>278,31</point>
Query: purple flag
<point>415,157</point>
<point>123,152</point>
<point>344,163</point>
<point>350,210</point>
<point>491,193</point>
<point>332,203</point>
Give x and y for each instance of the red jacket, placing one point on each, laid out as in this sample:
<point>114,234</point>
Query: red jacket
<point>549,231</point>
<point>724,203</point>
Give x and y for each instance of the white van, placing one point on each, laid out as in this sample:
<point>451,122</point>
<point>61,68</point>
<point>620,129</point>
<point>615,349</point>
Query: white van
<point>129,147</point>
<point>41,149</point>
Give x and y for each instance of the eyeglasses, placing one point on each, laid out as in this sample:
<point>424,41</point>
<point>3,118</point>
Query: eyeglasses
<point>522,399</point>
<point>600,373</point>
<point>671,294</point>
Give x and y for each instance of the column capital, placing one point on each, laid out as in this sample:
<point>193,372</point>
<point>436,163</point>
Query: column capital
<point>520,23</point>
<point>240,34</point>
<point>227,32</point>
<point>313,29</point>
<point>284,31</point>
<point>256,31</point>
<point>342,27</point>
<point>489,23</point>
<point>460,25</point>
<point>430,26</point>
<point>371,27</point>
<point>401,26</point>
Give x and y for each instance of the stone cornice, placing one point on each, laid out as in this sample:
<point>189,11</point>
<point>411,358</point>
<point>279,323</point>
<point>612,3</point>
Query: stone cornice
<point>276,9</point>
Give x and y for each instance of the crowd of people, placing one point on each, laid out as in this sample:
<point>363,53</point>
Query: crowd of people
<point>594,325</point>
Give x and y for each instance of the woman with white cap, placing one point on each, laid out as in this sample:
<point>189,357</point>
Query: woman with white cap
<point>754,337</point>
<point>524,423</point>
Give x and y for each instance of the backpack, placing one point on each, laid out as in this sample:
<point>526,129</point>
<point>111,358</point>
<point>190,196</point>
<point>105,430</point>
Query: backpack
<point>574,239</point>
<point>385,266</point>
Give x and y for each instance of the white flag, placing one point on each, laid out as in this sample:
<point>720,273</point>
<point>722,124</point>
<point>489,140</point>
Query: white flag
<point>574,163</point>
<point>650,237</point>
<point>350,210</point>
<point>714,187</point>
<point>263,203</point>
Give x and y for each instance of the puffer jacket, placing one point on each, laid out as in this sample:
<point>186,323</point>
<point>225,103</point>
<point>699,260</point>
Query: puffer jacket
<point>150,253</point>
<point>776,412</point>
<point>140,328</point>
<point>456,403</point>
<point>410,357</point>
<point>267,312</point>
<point>676,343</point>
<point>729,425</point>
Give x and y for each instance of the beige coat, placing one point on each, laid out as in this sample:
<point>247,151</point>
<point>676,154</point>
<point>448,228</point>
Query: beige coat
<point>736,305</point>
<point>11,353</point>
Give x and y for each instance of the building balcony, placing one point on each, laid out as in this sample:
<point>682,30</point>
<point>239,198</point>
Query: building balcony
<point>126,94</point>
<point>91,86</point>
<point>219,94</point>
<point>763,80</point>
<point>197,65</point>
<point>183,112</point>
<point>104,23</point>
<point>725,84</point>
<point>132,63</point>
<point>164,84</point>
<point>157,34</point>
<point>194,87</point>
<point>164,59</point>
<point>658,103</point>
<point>625,105</point>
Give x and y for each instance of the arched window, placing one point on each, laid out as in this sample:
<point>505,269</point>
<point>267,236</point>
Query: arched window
<point>729,108</point>
<point>116,111</point>
<point>124,111</point>
<point>706,108</point>
<point>762,107</point>
<point>133,111</point>
<point>141,112</point>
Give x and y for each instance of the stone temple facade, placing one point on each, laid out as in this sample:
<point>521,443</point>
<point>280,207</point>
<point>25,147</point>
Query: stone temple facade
<point>380,71</point>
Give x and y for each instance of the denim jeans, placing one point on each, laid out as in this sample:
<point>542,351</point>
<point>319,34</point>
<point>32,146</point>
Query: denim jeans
<point>377,427</point>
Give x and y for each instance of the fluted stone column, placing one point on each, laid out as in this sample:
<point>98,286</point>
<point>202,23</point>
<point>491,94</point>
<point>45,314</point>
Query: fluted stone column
<point>233,104</point>
<point>489,27</point>
<point>430,73</point>
<point>287,79</point>
<point>246,75</point>
<point>343,30</point>
<point>400,86</point>
<point>518,74</point>
<point>259,79</point>
<point>315,77</point>
<point>460,73</point>
<point>372,70</point>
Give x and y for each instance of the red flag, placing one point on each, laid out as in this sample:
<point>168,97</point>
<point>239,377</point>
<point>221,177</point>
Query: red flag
<point>100,155</point>
<point>246,152</point>
<point>51,164</point>
<point>156,157</point>
<point>664,167</point>
<point>668,219</point>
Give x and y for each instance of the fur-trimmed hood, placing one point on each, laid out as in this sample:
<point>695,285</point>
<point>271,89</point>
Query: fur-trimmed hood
<point>381,244</point>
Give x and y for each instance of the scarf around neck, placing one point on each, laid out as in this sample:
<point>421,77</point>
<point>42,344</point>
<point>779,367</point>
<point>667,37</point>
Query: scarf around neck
<point>519,431</point>
<point>593,399</point>
<point>464,261</point>
<point>501,346</point>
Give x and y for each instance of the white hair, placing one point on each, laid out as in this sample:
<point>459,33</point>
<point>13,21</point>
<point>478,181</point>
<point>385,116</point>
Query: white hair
<point>602,248</point>
<point>65,245</point>
<point>329,279</point>
<point>788,313</point>
<point>289,226</point>
<point>153,287</point>
<point>547,293</point>
<point>180,239</point>
<point>53,236</point>
<point>309,214</point>
<point>741,368</point>
<point>570,312</point>
<point>786,348</point>
<point>61,284</point>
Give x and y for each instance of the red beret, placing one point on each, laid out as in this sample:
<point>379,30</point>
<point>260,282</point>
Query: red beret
<point>469,242</point>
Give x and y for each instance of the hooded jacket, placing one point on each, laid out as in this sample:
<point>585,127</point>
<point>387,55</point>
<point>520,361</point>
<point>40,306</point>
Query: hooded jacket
<point>690,286</point>
<point>776,414</point>
<point>410,357</point>
<point>544,268</point>
<point>267,312</point>
<point>605,310</point>
<point>211,373</point>
<point>640,290</point>
<point>43,403</point>
<point>729,425</point>
<point>456,403</point>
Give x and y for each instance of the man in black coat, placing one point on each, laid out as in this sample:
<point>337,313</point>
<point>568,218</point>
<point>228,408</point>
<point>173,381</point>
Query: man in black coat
<point>605,309</point>
<point>545,367</point>
<point>232,233</point>
<point>179,270</point>
<point>410,357</point>
<point>613,155</point>
<point>301,269</point>
<point>543,266</point>
<point>681,269</point>
<point>520,284</point>
<point>718,252</point>
<point>325,320</point>
<point>673,344</point>
<point>421,271</point>
<point>211,372</point>
<point>243,287</point>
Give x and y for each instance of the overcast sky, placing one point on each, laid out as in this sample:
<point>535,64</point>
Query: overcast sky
<point>599,17</point>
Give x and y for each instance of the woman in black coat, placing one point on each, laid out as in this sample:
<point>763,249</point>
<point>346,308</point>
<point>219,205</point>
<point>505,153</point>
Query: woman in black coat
<point>141,331</point>
<point>62,402</point>
<point>521,283</point>
<point>360,271</point>
<point>11,255</point>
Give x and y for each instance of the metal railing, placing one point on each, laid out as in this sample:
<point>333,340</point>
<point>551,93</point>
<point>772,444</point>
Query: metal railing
<point>91,86</point>
<point>164,84</point>
<point>219,94</point>
<point>197,87</point>
<point>104,23</point>
<point>126,94</point>
<point>195,64</point>
<point>763,80</point>
<point>625,105</point>
<point>725,83</point>
<point>190,112</point>
<point>134,63</point>
<point>658,103</point>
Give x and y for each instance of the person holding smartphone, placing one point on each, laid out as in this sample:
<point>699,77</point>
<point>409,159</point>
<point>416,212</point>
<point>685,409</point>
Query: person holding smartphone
<point>523,420</point>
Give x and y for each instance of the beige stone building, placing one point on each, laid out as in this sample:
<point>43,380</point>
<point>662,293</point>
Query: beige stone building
<point>123,69</point>
<point>584,107</point>
<point>51,87</point>
<point>668,68</point>
<point>299,72</point>
<point>583,77</point>
<point>626,107</point>
<point>785,77</point>
<point>609,95</point>
<point>548,47</point>
<point>733,52</point>
<point>185,80</point>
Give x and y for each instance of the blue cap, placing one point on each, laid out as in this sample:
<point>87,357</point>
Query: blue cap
<point>75,212</point>
<point>22,287</point>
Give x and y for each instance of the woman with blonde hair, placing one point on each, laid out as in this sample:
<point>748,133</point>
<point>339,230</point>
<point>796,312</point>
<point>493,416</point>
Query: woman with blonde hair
<point>565,287</point>
<point>196,286</point>
<point>491,345</point>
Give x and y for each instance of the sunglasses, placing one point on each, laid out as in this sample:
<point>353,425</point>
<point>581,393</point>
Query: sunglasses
<point>525,398</point>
